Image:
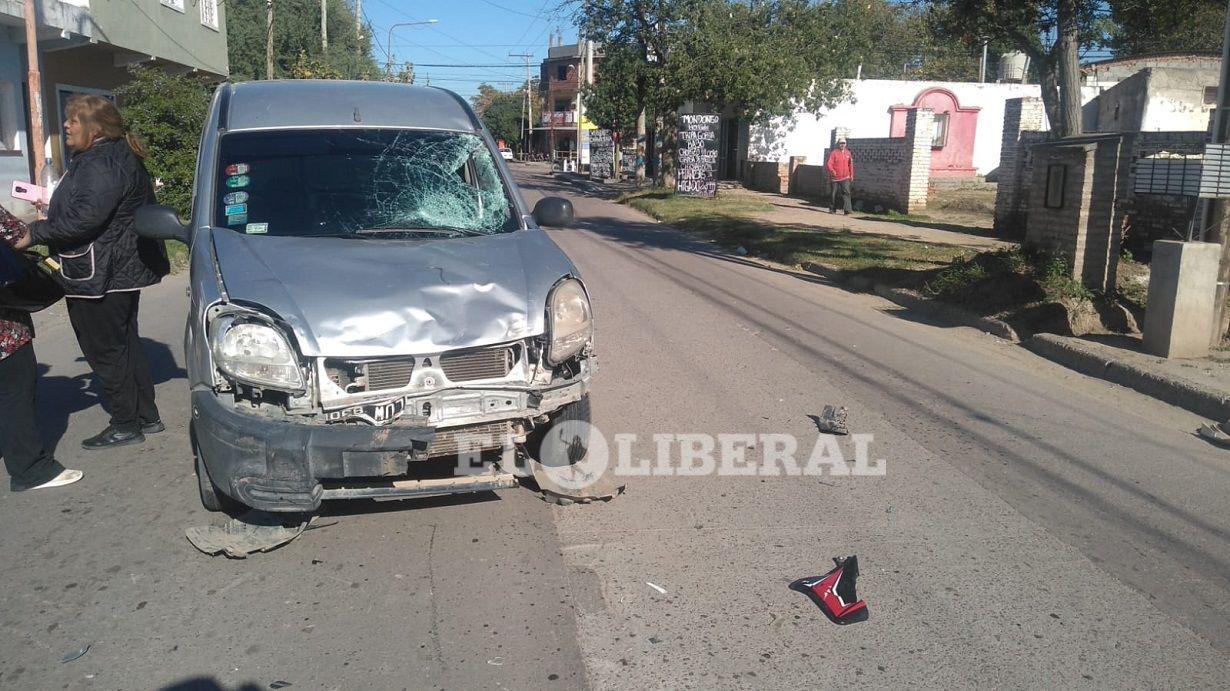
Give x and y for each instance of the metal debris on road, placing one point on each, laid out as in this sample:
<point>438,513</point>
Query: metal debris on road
<point>255,531</point>
<point>832,420</point>
<point>575,484</point>
<point>75,654</point>
<point>834,592</point>
<point>496,661</point>
<point>1215,433</point>
<point>280,684</point>
<point>658,588</point>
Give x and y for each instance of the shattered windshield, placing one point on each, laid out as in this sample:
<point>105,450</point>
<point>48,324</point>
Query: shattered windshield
<point>355,182</point>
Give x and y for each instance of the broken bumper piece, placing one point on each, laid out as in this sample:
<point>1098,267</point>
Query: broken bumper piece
<point>276,464</point>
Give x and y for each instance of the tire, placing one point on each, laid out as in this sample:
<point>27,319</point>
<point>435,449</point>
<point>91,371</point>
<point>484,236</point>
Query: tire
<point>212,498</point>
<point>578,445</point>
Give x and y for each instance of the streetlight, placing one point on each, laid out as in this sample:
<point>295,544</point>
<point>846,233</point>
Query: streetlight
<point>388,66</point>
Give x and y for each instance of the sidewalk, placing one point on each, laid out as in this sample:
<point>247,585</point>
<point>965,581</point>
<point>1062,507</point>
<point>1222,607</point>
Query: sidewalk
<point>1200,386</point>
<point>814,214</point>
<point>806,214</point>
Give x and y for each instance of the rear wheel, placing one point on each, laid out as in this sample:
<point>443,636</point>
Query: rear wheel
<point>212,498</point>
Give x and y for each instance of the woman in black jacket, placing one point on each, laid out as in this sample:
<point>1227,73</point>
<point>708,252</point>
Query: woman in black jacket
<point>103,264</point>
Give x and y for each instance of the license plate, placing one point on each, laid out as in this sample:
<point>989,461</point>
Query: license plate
<point>375,413</point>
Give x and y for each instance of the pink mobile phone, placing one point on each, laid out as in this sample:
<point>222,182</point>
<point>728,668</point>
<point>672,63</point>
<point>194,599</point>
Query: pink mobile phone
<point>30,193</point>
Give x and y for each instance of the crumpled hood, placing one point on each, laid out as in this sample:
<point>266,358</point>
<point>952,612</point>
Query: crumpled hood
<point>371,298</point>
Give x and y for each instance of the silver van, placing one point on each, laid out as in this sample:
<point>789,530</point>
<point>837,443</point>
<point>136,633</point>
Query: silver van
<point>368,292</point>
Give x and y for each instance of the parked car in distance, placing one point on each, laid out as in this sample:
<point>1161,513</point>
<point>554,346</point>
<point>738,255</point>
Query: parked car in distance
<point>368,291</point>
<point>506,153</point>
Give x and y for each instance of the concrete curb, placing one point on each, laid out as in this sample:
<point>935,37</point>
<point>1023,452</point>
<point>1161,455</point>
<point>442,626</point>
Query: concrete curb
<point>1073,354</point>
<point>948,313</point>
<point>913,301</point>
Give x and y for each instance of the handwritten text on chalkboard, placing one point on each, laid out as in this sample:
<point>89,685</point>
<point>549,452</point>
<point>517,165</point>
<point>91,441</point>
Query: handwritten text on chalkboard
<point>698,155</point>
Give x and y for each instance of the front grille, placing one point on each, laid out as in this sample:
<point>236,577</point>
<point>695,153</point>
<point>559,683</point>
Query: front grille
<point>485,436</point>
<point>389,374</point>
<point>483,363</point>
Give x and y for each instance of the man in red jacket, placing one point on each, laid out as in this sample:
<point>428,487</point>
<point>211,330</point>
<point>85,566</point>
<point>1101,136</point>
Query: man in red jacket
<point>841,173</point>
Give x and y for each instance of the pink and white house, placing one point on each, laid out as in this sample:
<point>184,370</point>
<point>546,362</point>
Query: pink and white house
<point>955,127</point>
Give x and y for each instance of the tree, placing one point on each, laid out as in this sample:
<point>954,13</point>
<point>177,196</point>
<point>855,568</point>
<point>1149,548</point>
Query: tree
<point>759,60</point>
<point>1050,32</point>
<point>168,113</point>
<point>1140,27</point>
<point>503,112</point>
<point>405,75</point>
<point>907,41</point>
<point>296,32</point>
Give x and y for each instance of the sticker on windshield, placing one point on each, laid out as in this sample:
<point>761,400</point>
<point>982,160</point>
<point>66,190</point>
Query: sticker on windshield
<point>238,181</point>
<point>233,209</point>
<point>235,198</point>
<point>256,228</point>
<point>236,219</point>
<point>238,169</point>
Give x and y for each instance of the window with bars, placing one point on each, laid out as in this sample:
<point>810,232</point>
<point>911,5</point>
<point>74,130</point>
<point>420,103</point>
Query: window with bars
<point>209,13</point>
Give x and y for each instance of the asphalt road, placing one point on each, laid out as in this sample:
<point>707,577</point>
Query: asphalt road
<point>1034,528</point>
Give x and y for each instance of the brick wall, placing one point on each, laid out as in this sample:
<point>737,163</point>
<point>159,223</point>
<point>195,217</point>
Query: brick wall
<point>919,124</point>
<point>889,172</point>
<point>767,177</point>
<point>1024,119</point>
<point>810,181</point>
<point>1062,231</point>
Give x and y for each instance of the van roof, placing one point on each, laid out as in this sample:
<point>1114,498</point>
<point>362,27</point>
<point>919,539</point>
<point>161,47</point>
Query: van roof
<point>299,103</point>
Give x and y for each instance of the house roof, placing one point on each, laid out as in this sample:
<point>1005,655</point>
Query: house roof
<point>297,103</point>
<point>1175,58</point>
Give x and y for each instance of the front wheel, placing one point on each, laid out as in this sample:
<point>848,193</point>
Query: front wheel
<point>573,438</point>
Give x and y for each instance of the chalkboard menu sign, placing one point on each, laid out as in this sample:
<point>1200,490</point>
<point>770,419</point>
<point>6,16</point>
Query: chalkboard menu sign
<point>698,155</point>
<point>601,154</point>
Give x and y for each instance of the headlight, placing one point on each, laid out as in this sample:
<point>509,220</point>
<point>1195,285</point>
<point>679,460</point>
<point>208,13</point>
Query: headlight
<point>569,321</point>
<point>255,353</point>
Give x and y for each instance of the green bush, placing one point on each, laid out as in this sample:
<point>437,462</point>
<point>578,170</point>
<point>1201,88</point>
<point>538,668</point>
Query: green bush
<point>955,282</point>
<point>167,112</point>
<point>1052,273</point>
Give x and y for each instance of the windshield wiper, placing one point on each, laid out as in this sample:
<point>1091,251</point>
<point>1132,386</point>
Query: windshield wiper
<point>433,231</point>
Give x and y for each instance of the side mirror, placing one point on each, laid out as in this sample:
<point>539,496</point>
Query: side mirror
<point>555,212</point>
<point>159,222</point>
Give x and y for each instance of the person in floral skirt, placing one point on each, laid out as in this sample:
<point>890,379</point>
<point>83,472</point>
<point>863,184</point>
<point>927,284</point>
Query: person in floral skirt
<point>29,464</point>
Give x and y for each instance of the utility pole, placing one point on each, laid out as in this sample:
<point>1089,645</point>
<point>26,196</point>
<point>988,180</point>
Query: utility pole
<point>527,109</point>
<point>982,68</point>
<point>1217,211</point>
<point>324,26</point>
<point>358,18</point>
<point>584,74</point>
<point>34,81</point>
<point>268,39</point>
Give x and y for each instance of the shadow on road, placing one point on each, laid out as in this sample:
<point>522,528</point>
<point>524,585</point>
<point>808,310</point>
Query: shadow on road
<point>212,684</point>
<point>59,397</point>
<point>365,507</point>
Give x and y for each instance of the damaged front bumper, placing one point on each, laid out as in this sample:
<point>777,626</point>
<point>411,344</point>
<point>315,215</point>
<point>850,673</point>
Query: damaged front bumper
<point>276,461</point>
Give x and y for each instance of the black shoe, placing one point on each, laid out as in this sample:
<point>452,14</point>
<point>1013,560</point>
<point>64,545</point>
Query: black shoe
<point>153,427</point>
<point>113,436</point>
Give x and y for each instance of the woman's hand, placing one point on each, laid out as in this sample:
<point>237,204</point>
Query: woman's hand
<point>41,210</point>
<point>22,242</point>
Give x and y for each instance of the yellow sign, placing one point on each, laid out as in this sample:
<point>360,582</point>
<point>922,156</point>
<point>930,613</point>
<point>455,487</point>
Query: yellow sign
<point>587,125</point>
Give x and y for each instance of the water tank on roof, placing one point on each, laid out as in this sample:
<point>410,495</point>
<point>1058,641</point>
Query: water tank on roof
<point>1012,67</point>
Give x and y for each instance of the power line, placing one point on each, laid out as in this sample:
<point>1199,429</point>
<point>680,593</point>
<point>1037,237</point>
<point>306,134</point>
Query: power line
<point>503,64</point>
<point>509,9</point>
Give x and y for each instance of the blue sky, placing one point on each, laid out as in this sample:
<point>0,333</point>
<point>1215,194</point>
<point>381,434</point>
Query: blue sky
<point>477,33</point>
